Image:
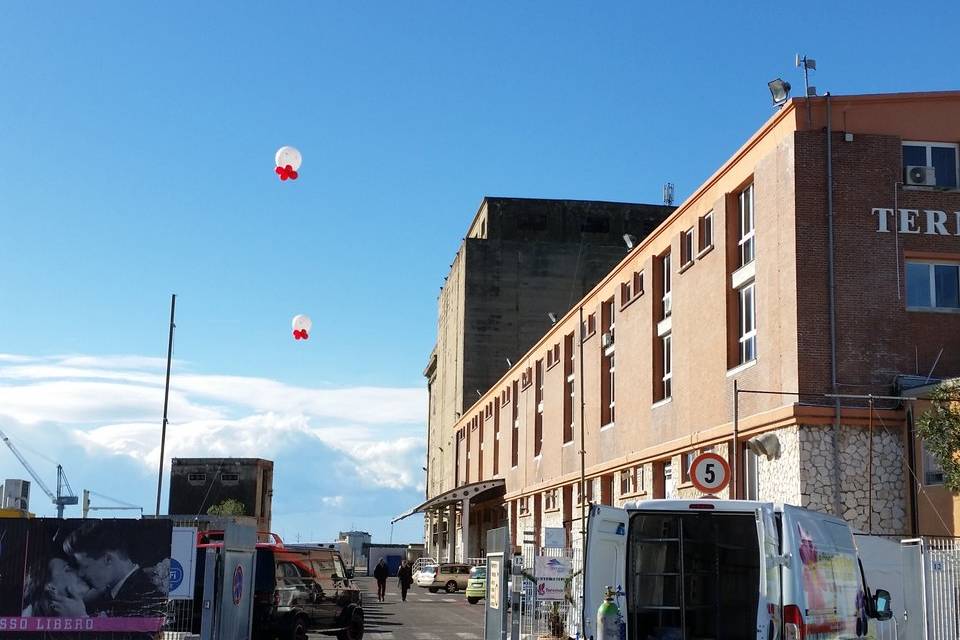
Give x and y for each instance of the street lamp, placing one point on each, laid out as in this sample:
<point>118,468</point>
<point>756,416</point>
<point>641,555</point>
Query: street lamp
<point>779,91</point>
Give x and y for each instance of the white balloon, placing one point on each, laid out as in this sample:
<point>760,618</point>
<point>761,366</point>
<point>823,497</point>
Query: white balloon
<point>288,156</point>
<point>302,323</point>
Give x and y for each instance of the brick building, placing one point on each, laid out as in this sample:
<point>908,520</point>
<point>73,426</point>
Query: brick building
<point>795,275</point>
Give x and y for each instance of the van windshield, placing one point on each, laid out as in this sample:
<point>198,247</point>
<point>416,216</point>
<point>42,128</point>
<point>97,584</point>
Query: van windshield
<point>693,575</point>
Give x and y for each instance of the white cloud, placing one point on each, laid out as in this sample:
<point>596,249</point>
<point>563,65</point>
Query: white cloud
<point>108,408</point>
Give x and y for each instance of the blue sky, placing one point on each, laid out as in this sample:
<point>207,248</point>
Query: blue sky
<point>137,147</point>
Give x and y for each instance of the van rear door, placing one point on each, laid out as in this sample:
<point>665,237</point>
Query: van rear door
<point>604,562</point>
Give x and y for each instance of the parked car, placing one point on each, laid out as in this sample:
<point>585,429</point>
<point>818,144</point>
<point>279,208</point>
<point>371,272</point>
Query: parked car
<point>734,568</point>
<point>301,590</point>
<point>295,590</point>
<point>449,577</point>
<point>476,585</point>
<point>427,569</point>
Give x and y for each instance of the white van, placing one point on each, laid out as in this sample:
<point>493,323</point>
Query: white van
<point>728,569</point>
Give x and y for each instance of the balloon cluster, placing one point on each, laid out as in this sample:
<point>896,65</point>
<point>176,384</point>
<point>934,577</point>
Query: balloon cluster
<point>301,327</point>
<point>288,161</point>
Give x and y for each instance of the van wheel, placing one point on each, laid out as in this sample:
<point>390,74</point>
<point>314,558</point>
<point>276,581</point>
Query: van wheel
<point>452,586</point>
<point>298,631</point>
<point>473,600</point>
<point>354,630</point>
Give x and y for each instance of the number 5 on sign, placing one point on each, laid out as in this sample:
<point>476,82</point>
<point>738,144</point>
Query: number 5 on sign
<point>709,473</point>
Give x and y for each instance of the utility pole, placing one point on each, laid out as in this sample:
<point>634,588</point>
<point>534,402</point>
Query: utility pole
<point>166,398</point>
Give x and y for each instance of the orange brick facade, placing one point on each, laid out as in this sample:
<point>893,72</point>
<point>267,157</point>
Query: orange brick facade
<point>877,337</point>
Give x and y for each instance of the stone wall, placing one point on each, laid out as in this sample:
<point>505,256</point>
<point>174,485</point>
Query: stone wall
<point>889,494</point>
<point>779,480</point>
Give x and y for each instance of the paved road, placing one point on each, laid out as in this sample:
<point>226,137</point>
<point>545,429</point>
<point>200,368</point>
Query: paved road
<point>424,616</point>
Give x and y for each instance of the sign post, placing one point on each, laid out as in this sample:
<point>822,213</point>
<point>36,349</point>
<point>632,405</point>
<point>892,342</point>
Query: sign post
<point>498,576</point>
<point>710,473</point>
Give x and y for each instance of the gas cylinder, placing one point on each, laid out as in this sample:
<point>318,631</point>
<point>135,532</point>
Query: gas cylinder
<point>610,625</point>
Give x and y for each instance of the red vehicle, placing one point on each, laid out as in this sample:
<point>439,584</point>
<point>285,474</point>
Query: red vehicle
<point>297,590</point>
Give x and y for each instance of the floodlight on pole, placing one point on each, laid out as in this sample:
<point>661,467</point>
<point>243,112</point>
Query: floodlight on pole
<point>630,240</point>
<point>553,317</point>
<point>779,91</point>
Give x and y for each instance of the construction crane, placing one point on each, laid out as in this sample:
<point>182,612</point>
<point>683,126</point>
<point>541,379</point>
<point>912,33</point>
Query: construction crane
<point>122,506</point>
<point>61,499</point>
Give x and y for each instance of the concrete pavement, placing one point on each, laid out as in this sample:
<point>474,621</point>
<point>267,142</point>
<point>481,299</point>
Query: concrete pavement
<point>424,616</point>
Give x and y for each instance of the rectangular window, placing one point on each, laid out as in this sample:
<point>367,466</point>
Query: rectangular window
<point>686,247</point>
<point>626,292</point>
<point>524,506</point>
<point>933,285</point>
<point>229,478</point>
<point>932,471</point>
<point>748,324</point>
<point>686,463</point>
<point>568,385</point>
<point>667,341</point>
<point>706,232</point>
<point>196,477</point>
<point>942,156</point>
<point>626,485</point>
<point>637,283</point>
<point>538,418</point>
<point>667,305</point>
<point>496,442</point>
<point>456,460</point>
<point>639,483</point>
<point>746,238</point>
<point>515,429</point>
<point>589,326</point>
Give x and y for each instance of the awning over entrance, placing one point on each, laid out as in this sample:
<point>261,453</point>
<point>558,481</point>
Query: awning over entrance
<point>476,492</point>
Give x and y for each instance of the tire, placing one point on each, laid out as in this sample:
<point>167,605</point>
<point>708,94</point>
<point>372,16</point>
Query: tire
<point>473,600</point>
<point>451,586</point>
<point>433,589</point>
<point>298,630</point>
<point>354,623</point>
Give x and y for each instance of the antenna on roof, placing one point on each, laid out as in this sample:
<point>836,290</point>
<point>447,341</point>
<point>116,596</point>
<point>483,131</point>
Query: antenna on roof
<point>668,194</point>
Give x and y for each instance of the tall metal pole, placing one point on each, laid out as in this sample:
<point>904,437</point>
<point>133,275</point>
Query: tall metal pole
<point>583,474</point>
<point>166,398</point>
<point>870,471</point>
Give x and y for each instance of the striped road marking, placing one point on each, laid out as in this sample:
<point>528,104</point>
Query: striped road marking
<point>468,636</point>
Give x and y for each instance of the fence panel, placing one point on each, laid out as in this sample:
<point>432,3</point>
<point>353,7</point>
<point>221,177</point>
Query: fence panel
<point>942,569</point>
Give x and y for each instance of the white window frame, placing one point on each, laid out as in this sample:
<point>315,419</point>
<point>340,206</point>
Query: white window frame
<point>929,145</point>
<point>688,249</point>
<point>706,234</point>
<point>932,279</point>
<point>667,307</point>
<point>930,468</point>
<point>611,372</point>
<point>667,380</point>
<point>747,234</point>
<point>750,336</point>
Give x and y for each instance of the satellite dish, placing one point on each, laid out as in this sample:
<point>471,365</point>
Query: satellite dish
<point>767,445</point>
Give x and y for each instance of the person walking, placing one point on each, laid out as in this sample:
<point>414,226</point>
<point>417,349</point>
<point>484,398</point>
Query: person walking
<point>405,578</point>
<point>381,572</point>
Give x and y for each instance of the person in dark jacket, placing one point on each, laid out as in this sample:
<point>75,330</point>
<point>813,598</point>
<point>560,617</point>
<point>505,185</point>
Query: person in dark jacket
<point>381,572</point>
<point>405,578</point>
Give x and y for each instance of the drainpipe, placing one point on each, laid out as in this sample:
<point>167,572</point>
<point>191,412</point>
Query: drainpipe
<point>835,437</point>
<point>583,479</point>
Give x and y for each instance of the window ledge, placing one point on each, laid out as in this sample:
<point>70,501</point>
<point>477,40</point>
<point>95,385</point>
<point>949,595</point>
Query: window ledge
<point>553,510</point>
<point>933,309</point>
<point>707,249</point>
<point>660,403</point>
<point>631,301</point>
<point>589,335</point>
<point>537,458</point>
<point>555,363</point>
<point>925,187</point>
<point>741,367</point>
<point>607,426</point>
<point>744,275</point>
<point>665,326</point>
<point>686,265</point>
<point>567,444</point>
<point>635,494</point>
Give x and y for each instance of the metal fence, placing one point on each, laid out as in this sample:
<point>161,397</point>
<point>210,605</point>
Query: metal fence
<point>548,618</point>
<point>942,569</point>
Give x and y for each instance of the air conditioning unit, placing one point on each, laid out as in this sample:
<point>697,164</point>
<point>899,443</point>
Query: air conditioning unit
<point>920,176</point>
<point>607,339</point>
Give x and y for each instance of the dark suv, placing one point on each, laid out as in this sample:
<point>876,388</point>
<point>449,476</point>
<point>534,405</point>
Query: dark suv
<point>304,589</point>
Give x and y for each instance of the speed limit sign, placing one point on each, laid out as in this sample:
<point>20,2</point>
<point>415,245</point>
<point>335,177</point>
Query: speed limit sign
<point>709,473</point>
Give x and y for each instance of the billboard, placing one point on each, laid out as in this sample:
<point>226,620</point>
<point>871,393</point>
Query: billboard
<point>88,576</point>
<point>552,575</point>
